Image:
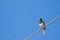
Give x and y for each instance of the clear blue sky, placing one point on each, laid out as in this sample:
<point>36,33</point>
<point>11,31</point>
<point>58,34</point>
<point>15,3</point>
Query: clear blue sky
<point>19,19</point>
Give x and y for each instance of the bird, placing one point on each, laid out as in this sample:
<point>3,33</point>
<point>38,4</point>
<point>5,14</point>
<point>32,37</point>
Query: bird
<point>42,25</point>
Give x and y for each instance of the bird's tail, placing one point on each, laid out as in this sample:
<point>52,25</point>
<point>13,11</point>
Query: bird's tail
<point>43,31</point>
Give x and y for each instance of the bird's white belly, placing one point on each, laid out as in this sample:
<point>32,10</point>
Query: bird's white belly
<point>41,24</point>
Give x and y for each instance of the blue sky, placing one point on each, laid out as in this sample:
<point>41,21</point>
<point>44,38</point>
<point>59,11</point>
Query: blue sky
<point>19,19</point>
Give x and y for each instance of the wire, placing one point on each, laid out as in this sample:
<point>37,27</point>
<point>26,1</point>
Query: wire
<point>40,29</point>
<point>52,20</point>
<point>33,34</point>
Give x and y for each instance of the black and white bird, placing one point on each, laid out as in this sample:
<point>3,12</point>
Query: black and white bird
<point>42,25</point>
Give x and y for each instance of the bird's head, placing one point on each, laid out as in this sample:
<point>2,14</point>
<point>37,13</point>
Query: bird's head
<point>40,19</point>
